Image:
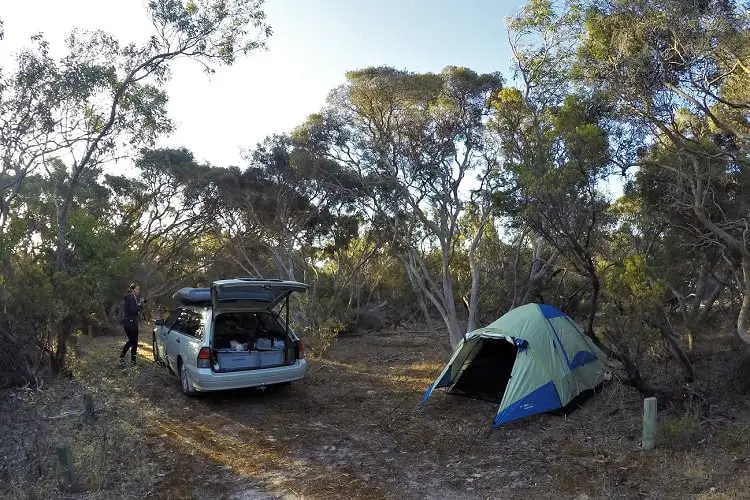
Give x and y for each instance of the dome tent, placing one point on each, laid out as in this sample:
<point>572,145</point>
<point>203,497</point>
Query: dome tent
<point>531,360</point>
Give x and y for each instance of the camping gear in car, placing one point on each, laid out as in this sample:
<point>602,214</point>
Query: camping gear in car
<point>238,346</point>
<point>266,343</point>
<point>228,359</point>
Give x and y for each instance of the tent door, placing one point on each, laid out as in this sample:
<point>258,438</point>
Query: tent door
<point>488,374</point>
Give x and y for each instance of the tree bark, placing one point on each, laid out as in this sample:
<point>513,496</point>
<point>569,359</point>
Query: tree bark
<point>441,297</point>
<point>451,318</point>
<point>595,286</point>
<point>633,376</point>
<point>743,318</point>
<point>474,270</point>
<point>674,347</point>
<point>62,210</point>
<point>537,275</point>
<point>425,312</point>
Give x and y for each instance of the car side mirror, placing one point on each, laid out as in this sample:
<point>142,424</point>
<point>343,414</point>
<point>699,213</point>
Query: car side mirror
<point>159,322</point>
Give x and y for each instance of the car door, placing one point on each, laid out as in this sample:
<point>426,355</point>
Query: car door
<point>173,338</point>
<point>191,337</point>
<point>161,332</point>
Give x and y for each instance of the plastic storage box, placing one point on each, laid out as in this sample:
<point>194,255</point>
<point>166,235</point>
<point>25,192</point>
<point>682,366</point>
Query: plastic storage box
<point>271,358</point>
<point>230,359</point>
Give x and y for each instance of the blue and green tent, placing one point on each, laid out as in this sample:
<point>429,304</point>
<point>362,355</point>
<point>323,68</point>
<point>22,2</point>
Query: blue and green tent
<point>531,360</point>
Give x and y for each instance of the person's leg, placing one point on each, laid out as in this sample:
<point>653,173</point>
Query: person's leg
<point>133,339</point>
<point>126,346</point>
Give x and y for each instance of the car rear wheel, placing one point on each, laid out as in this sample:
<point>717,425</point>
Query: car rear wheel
<point>187,386</point>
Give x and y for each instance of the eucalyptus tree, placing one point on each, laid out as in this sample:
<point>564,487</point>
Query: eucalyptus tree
<point>413,141</point>
<point>678,71</point>
<point>104,100</point>
<point>555,147</point>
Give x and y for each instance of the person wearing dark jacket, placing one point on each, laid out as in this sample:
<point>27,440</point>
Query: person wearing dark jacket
<point>133,306</point>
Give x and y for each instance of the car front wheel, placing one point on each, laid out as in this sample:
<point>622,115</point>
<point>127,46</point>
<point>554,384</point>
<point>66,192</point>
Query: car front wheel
<point>155,348</point>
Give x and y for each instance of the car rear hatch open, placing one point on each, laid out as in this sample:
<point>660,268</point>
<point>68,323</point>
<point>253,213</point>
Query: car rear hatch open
<point>245,295</point>
<point>252,293</point>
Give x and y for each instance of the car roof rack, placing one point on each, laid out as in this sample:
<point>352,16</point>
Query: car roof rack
<point>252,278</point>
<point>193,296</point>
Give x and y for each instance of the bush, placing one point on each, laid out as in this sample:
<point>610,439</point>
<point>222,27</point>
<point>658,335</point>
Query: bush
<point>28,305</point>
<point>734,438</point>
<point>320,337</point>
<point>680,433</point>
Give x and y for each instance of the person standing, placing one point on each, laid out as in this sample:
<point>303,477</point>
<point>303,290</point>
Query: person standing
<point>133,306</point>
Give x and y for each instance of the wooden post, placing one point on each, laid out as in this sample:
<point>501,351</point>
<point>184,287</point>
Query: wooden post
<point>648,441</point>
<point>88,406</point>
<point>65,457</point>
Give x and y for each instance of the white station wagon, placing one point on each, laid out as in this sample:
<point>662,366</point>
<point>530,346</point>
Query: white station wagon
<point>231,336</point>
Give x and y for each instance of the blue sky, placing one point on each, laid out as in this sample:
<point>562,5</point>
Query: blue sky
<point>315,42</point>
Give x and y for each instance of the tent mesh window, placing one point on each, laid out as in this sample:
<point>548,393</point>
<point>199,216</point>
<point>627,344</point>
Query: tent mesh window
<point>488,373</point>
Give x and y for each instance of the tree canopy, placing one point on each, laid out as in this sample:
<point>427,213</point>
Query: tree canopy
<point>450,195</point>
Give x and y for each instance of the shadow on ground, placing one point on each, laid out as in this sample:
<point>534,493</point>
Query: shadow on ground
<point>354,428</point>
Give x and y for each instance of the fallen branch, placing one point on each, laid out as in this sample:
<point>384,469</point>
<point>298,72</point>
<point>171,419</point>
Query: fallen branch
<point>70,413</point>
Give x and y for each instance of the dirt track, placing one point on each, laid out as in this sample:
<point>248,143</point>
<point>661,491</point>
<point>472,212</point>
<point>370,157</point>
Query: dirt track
<point>354,429</point>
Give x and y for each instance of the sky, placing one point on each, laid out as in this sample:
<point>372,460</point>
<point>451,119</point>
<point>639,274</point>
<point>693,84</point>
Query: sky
<point>315,42</point>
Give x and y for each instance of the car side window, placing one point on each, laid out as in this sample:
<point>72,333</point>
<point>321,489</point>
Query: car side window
<point>169,322</point>
<point>193,324</point>
<point>179,323</point>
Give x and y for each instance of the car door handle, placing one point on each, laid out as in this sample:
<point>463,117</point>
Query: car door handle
<point>177,340</point>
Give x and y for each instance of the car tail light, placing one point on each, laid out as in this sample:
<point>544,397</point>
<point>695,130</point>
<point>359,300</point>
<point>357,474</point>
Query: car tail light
<point>204,358</point>
<point>300,350</point>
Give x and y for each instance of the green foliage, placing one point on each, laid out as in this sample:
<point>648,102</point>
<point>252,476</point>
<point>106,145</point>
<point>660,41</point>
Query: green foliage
<point>630,281</point>
<point>67,118</point>
<point>679,433</point>
<point>320,335</point>
<point>24,326</point>
<point>408,195</point>
<point>410,141</point>
<point>733,438</point>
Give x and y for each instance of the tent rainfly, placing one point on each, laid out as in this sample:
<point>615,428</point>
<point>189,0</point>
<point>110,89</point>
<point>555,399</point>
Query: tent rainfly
<point>531,360</point>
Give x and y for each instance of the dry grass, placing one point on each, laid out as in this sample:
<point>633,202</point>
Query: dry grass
<point>353,428</point>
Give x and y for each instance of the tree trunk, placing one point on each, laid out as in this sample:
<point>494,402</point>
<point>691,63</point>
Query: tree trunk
<point>64,330</point>
<point>633,376</point>
<point>536,278</point>
<point>538,272</point>
<point>439,292</point>
<point>594,279</point>
<point>743,318</point>
<point>425,312</point>
<point>474,293</point>
<point>674,347</point>
<point>694,315</point>
<point>60,249</point>
<point>451,315</point>
<point>474,270</point>
<point>65,326</point>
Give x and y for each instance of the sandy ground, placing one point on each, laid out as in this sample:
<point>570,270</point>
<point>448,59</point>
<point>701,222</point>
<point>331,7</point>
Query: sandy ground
<point>353,428</point>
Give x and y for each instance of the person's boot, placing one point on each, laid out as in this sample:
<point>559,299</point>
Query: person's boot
<point>122,361</point>
<point>132,361</point>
